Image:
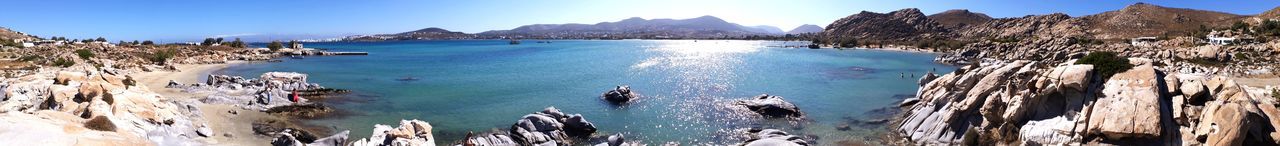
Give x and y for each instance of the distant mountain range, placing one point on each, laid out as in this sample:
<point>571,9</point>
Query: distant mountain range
<point>705,27</point>
<point>421,34</point>
<point>807,28</point>
<point>903,26</point>
<point>1137,20</point>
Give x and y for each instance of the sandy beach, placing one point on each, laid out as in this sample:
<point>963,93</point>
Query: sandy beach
<point>230,129</point>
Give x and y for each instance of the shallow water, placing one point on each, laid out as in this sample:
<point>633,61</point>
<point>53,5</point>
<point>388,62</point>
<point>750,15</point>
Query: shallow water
<point>485,85</point>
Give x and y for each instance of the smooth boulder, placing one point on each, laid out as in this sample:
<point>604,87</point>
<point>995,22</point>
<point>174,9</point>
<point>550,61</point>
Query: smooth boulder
<point>770,106</point>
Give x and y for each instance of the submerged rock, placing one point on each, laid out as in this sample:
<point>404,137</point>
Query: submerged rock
<point>770,106</point>
<point>619,95</point>
<point>310,111</point>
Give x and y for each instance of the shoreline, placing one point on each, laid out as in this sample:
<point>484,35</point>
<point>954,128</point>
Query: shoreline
<point>229,129</point>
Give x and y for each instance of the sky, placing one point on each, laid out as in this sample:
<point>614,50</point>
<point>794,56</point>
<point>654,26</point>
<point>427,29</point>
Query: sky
<point>182,21</point>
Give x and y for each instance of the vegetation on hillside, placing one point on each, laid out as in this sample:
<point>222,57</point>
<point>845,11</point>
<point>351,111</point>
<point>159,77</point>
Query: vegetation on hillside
<point>1106,64</point>
<point>84,54</point>
<point>160,57</point>
<point>63,62</point>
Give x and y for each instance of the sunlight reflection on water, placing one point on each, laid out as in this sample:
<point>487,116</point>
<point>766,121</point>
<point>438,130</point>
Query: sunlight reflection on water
<point>702,72</point>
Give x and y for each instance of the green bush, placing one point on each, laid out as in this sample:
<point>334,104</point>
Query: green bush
<point>63,62</point>
<point>84,54</point>
<point>159,57</point>
<point>1083,41</point>
<point>30,58</point>
<point>1240,56</point>
<point>1106,64</point>
<point>275,46</point>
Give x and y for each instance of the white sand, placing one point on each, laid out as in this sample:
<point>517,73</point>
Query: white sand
<point>239,125</point>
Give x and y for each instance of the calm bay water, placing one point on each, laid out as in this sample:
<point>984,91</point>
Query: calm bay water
<point>483,85</point>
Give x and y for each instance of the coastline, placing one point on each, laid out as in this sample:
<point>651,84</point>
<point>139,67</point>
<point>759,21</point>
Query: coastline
<point>229,129</point>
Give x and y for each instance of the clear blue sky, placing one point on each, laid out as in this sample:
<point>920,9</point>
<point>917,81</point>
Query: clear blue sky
<point>171,21</point>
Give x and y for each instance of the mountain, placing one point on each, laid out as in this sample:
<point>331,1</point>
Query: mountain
<point>959,18</point>
<point>767,29</point>
<point>909,27</point>
<point>700,27</point>
<point>431,33</point>
<point>807,28</point>
<point>1045,26</point>
<point>897,26</point>
<point>1141,19</point>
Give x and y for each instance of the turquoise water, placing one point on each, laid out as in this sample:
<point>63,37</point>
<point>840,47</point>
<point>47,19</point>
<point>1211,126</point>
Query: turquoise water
<point>483,85</point>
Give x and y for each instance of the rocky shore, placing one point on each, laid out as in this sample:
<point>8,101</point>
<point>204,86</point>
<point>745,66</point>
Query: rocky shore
<point>1025,102</point>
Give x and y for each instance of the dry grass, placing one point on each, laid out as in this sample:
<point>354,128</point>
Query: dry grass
<point>100,123</point>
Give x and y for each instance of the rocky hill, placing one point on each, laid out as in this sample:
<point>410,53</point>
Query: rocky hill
<point>1046,26</point>
<point>6,34</point>
<point>700,27</point>
<point>959,18</point>
<point>1143,19</point>
<point>910,27</point>
<point>901,25</point>
<point>421,34</point>
<point>1270,14</point>
<point>807,28</point>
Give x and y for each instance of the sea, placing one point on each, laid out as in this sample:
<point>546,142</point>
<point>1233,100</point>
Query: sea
<point>481,86</point>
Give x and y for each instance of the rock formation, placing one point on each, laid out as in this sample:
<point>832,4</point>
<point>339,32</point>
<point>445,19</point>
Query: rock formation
<point>272,89</point>
<point>411,132</point>
<point>766,105</point>
<point>85,106</point>
<point>550,126</point>
<point>1030,102</point>
<point>619,95</point>
<point>771,137</point>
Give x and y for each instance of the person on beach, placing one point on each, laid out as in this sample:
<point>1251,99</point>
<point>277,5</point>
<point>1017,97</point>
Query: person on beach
<point>294,96</point>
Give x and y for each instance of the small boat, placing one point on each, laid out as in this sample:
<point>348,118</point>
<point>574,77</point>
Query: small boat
<point>514,42</point>
<point>295,57</point>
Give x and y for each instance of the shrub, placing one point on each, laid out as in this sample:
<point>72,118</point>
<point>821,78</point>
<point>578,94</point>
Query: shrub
<point>30,58</point>
<point>275,46</point>
<point>159,57</point>
<point>1240,56</point>
<point>84,54</point>
<point>128,81</point>
<point>1083,41</point>
<point>100,123</point>
<point>63,62</point>
<point>1106,63</point>
<point>1276,94</point>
